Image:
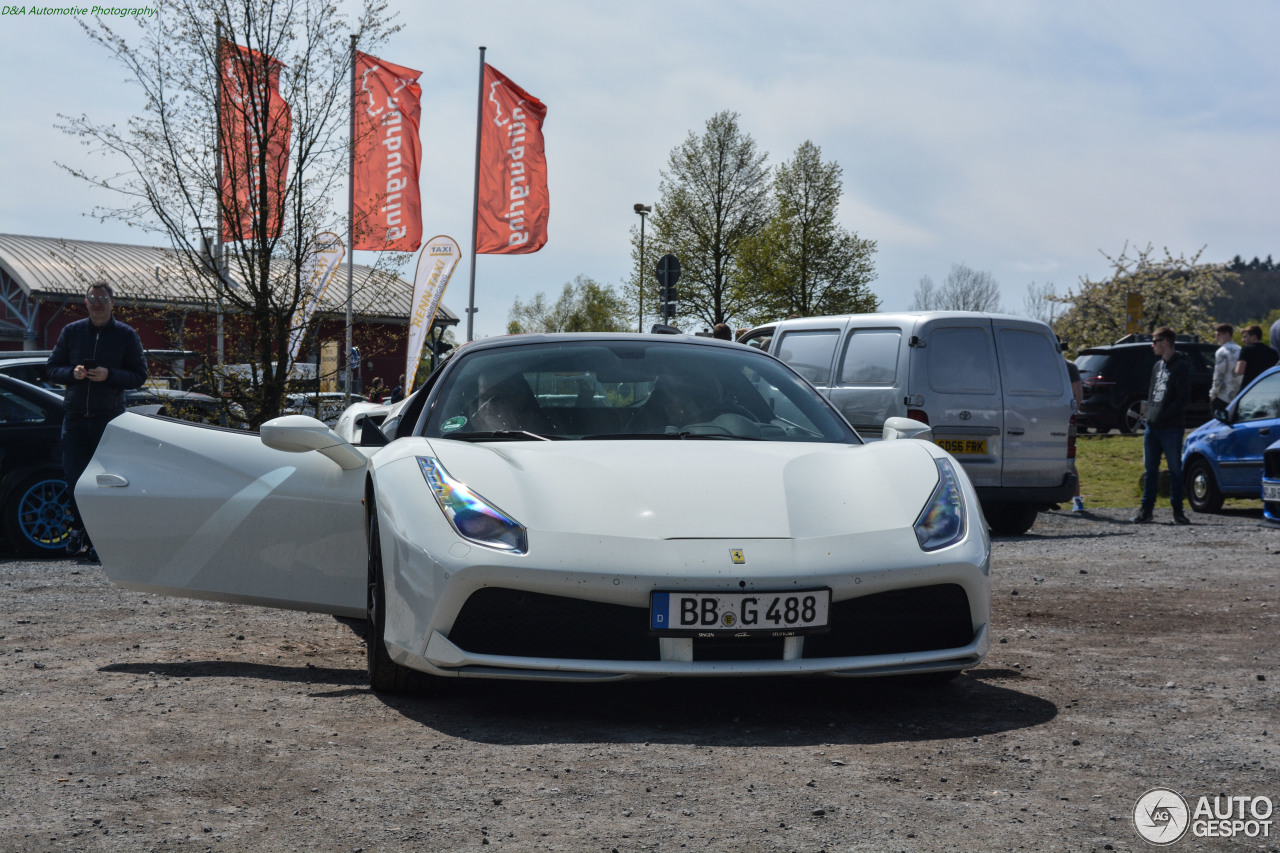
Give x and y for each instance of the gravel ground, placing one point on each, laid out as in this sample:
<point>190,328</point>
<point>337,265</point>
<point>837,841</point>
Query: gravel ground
<point>1124,658</point>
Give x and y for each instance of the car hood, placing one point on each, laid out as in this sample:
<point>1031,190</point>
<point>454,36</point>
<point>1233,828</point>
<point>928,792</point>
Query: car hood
<point>698,489</point>
<point>1207,431</point>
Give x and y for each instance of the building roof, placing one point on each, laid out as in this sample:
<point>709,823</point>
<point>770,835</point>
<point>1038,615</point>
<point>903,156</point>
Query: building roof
<point>52,268</point>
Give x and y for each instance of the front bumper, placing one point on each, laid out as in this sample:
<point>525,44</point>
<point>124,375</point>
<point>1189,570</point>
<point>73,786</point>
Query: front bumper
<point>569,625</point>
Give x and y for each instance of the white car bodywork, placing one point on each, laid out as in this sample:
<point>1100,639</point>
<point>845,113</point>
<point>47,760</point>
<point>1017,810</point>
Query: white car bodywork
<point>281,520</point>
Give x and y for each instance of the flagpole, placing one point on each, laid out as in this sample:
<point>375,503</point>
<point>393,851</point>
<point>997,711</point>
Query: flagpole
<point>475,208</point>
<point>216,257</point>
<point>351,225</point>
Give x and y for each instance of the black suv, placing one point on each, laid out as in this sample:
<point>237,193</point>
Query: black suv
<point>1116,379</point>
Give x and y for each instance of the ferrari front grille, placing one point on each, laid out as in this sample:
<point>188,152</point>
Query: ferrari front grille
<point>499,621</point>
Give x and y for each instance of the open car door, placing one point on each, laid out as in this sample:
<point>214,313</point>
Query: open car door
<point>202,512</point>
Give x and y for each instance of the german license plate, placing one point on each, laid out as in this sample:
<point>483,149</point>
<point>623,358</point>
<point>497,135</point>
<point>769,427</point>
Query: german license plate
<point>689,614</point>
<point>1271,491</point>
<point>959,446</point>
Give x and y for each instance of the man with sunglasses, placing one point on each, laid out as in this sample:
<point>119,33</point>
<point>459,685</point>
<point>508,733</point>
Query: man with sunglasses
<point>1166,407</point>
<point>98,359</point>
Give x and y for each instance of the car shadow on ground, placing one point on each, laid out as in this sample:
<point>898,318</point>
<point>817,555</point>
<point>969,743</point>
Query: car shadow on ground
<point>314,675</point>
<point>728,712</point>
<point>696,711</point>
<point>1118,522</point>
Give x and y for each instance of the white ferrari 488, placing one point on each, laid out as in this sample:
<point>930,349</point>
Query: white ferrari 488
<point>571,508</point>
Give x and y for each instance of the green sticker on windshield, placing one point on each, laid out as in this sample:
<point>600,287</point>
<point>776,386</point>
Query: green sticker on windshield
<point>452,424</point>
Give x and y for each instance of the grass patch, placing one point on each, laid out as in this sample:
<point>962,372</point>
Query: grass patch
<point>1110,468</point>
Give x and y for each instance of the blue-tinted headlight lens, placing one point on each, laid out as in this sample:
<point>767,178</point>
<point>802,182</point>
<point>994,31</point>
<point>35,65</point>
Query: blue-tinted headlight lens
<point>471,515</point>
<point>941,522</point>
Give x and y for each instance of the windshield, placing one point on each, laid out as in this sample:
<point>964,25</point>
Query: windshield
<point>643,389</point>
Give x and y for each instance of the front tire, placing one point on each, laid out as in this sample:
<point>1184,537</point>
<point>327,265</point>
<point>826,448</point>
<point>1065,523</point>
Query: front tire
<point>1010,519</point>
<point>385,675</point>
<point>1202,488</point>
<point>37,516</point>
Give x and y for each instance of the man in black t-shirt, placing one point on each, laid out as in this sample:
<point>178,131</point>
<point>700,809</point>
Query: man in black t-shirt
<point>1255,356</point>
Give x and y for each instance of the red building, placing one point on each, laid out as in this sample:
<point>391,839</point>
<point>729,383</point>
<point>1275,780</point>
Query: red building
<point>43,282</point>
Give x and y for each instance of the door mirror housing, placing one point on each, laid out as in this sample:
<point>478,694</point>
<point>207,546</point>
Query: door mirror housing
<point>300,433</point>
<point>906,428</point>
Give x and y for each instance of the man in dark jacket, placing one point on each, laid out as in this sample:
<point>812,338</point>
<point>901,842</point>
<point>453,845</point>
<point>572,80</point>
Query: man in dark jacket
<point>98,359</point>
<point>1166,404</point>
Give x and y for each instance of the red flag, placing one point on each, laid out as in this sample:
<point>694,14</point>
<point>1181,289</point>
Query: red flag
<point>254,115</point>
<point>513,203</point>
<point>388,156</point>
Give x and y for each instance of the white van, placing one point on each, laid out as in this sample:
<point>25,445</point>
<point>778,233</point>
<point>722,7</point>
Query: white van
<point>993,388</point>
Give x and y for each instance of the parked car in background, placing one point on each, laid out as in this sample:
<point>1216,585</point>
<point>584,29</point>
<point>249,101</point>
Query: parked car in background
<point>185,406</point>
<point>331,405</point>
<point>1116,380</point>
<point>33,491</point>
<point>1224,457</point>
<point>168,368</point>
<point>1271,485</point>
<point>28,365</point>
<point>166,393</point>
<point>994,388</point>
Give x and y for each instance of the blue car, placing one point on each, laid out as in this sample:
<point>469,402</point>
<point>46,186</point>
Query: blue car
<point>1222,458</point>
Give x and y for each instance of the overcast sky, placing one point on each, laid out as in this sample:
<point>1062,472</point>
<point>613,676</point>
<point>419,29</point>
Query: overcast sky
<point>1020,138</point>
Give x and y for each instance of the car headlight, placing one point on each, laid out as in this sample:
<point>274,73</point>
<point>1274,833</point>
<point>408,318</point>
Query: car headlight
<point>941,522</point>
<point>472,516</point>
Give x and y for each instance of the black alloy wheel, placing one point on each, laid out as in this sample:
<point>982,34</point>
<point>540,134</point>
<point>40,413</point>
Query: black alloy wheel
<point>1132,421</point>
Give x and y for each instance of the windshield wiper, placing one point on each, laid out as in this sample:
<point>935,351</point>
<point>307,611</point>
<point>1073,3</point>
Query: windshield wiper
<point>503,434</point>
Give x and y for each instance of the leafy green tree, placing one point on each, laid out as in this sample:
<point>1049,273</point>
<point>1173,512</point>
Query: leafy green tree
<point>714,196</point>
<point>1176,291</point>
<point>803,262</point>
<point>166,176</point>
<point>584,305</point>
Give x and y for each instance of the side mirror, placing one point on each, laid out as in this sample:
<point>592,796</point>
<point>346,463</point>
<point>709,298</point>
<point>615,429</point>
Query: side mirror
<point>1221,414</point>
<point>371,435</point>
<point>300,434</point>
<point>906,428</point>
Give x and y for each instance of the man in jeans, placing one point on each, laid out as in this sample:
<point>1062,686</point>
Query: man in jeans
<point>98,359</point>
<point>1166,404</point>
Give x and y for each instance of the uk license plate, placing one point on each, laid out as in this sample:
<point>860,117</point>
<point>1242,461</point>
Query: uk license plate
<point>689,614</point>
<point>959,446</point>
<point>1271,491</point>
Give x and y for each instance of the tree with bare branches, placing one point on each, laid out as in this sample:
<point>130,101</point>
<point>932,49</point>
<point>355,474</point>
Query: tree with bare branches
<point>965,289</point>
<point>167,178</point>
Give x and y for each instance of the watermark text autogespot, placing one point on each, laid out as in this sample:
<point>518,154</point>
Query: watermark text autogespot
<point>1163,817</point>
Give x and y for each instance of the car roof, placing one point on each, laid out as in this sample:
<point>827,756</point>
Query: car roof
<point>43,393</point>
<point>595,337</point>
<point>167,393</point>
<point>1102,349</point>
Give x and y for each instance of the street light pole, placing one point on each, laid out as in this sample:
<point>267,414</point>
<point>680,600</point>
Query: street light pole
<point>644,210</point>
